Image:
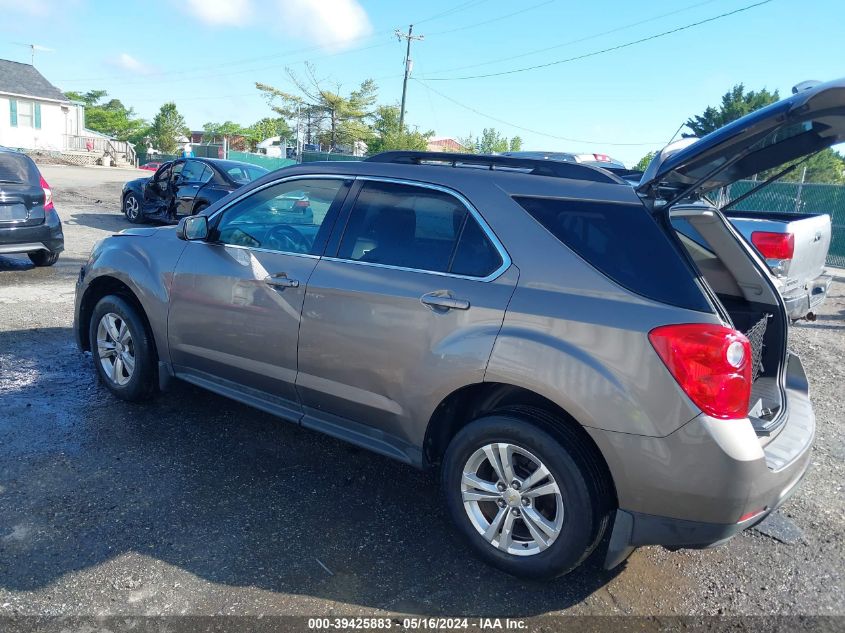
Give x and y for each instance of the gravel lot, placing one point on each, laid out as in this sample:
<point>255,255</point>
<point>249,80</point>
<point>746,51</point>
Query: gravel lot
<point>197,505</point>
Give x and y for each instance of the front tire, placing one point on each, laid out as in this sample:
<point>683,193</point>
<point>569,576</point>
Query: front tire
<point>123,351</point>
<point>43,258</point>
<point>132,208</point>
<point>526,492</point>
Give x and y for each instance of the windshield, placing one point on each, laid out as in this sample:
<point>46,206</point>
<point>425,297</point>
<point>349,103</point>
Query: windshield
<point>17,168</point>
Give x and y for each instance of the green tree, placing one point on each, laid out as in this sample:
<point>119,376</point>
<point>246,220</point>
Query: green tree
<point>267,128</point>
<point>827,166</point>
<point>469,143</point>
<point>735,103</point>
<point>387,135</point>
<point>111,118</point>
<point>215,132</point>
<point>167,128</point>
<point>515,144</point>
<point>492,142</point>
<point>644,161</point>
<point>334,118</point>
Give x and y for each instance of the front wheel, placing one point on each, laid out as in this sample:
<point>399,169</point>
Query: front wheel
<point>132,208</point>
<point>123,351</point>
<point>524,495</point>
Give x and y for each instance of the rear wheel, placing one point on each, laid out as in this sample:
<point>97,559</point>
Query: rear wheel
<point>122,347</point>
<point>132,208</point>
<point>524,495</point>
<point>43,258</point>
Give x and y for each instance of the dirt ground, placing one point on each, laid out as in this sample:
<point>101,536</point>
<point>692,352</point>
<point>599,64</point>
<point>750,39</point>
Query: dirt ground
<point>194,504</point>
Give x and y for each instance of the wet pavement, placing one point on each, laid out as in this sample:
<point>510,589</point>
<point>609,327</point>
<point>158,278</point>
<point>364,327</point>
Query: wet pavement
<point>196,504</point>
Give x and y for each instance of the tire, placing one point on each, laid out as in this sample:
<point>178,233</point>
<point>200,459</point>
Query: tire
<point>132,208</point>
<point>43,258</point>
<point>199,208</point>
<point>580,510</point>
<point>134,383</point>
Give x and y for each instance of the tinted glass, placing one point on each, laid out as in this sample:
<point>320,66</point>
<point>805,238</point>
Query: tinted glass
<point>403,225</point>
<point>193,171</point>
<point>243,174</point>
<point>475,256</point>
<point>16,167</point>
<point>624,242</point>
<point>289,217</point>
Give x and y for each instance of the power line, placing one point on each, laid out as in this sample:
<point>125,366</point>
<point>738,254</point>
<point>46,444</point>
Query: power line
<point>501,17</point>
<point>461,7</point>
<point>563,44</point>
<point>527,129</point>
<point>604,50</point>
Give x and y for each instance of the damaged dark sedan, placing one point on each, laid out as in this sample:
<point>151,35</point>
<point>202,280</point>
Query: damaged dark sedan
<point>184,187</point>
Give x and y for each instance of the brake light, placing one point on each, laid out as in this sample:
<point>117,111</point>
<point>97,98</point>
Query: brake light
<point>711,363</point>
<point>48,195</point>
<point>774,245</point>
<point>302,204</point>
<point>604,158</point>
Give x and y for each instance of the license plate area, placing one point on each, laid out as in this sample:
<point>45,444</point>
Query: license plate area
<point>13,213</point>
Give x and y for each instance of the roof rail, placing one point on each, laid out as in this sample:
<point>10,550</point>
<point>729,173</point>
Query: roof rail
<point>555,169</point>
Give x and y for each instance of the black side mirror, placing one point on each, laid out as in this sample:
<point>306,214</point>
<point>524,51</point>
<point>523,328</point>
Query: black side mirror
<point>193,228</point>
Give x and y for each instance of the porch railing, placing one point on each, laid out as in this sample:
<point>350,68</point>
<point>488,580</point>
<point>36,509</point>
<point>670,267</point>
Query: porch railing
<point>100,145</point>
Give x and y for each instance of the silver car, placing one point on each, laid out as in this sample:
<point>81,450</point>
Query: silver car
<point>578,358</point>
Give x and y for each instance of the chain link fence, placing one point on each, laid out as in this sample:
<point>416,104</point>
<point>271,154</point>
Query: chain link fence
<point>793,197</point>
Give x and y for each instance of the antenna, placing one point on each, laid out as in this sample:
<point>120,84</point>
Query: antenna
<point>33,48</point>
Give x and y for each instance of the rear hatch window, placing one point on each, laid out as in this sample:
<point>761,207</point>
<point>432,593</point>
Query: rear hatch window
<point>17,168</point>
<point>625,243</point>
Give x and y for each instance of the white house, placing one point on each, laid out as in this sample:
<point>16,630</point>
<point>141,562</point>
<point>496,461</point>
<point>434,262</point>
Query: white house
<point>34,114</point>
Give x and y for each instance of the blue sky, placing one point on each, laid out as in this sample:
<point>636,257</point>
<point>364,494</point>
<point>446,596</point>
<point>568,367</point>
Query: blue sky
<point>206,56</point>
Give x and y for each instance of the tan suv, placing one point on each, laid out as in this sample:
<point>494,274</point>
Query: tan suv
<point>578,357</point>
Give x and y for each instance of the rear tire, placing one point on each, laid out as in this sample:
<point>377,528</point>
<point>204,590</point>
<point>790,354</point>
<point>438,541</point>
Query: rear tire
<point>132,208</point>
<point>123,350</point>
<point>43,258</point>
<point>541,536</point>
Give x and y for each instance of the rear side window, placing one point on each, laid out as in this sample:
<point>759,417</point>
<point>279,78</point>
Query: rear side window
<point>419,228</point>
<point>622,241</point>
<point>16,167</point>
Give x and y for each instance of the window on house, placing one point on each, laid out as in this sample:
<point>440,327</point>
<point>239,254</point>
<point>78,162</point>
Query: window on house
<point>26,114</point>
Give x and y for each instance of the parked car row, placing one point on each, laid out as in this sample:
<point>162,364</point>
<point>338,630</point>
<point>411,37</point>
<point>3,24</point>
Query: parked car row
<point>577,356</point>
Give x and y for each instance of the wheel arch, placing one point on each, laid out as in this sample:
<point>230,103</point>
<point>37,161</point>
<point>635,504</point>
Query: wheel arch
<point>104,286</point>
<point>468,403</point>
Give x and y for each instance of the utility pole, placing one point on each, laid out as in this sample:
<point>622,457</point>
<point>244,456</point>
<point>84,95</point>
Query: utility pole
<point>408,67</point>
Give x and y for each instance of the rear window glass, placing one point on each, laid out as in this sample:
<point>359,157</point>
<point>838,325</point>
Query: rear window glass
<point>17,168</point>
<point>622,241</point>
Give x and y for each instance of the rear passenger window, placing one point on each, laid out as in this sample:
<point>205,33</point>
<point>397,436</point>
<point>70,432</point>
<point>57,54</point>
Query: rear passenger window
<point>416,227</point>
<point>624,242</point>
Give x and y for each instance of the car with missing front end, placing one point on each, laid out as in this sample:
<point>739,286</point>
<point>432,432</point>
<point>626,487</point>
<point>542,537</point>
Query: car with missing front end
<point>184,187</point>
<point>578,358</point>
<point>29,223</point>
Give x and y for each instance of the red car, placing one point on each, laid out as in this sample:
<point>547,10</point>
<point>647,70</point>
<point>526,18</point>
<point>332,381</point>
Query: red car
<point>150,166</point>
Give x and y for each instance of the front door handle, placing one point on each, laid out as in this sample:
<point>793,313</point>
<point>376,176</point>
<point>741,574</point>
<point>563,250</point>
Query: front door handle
<point>281,280</point>
<point>443,302</point>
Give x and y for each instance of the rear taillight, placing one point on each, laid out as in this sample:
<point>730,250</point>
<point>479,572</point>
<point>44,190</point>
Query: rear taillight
<point>48,195</point>
<point>301,204</point>
<point>774,245</point>
<point>711,363</point>
<point>602,158</point>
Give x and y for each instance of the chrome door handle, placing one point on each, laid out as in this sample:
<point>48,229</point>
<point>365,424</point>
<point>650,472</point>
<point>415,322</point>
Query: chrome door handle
<point>436,301</point>
<point>281,280</point>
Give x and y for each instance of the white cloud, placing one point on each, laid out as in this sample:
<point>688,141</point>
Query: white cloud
<point>221,12</point>
<point>125,61</point>
<point>333,24</point>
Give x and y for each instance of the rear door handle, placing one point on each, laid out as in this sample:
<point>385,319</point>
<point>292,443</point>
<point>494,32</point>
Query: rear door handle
<point>281,280</point>
<point>435,301</point>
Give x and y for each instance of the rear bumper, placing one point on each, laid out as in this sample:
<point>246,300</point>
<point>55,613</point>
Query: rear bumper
<point>803,300</point>
<point>710,479</point>
<point>26,239</point>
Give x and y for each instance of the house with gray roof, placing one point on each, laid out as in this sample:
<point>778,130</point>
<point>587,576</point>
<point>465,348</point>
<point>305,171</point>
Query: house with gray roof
<point>34,114</point>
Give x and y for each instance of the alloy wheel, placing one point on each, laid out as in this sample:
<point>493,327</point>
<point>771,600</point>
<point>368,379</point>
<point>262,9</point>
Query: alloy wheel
<point>512,499</point>
<point>115,348</point>
<point>131,207</point>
